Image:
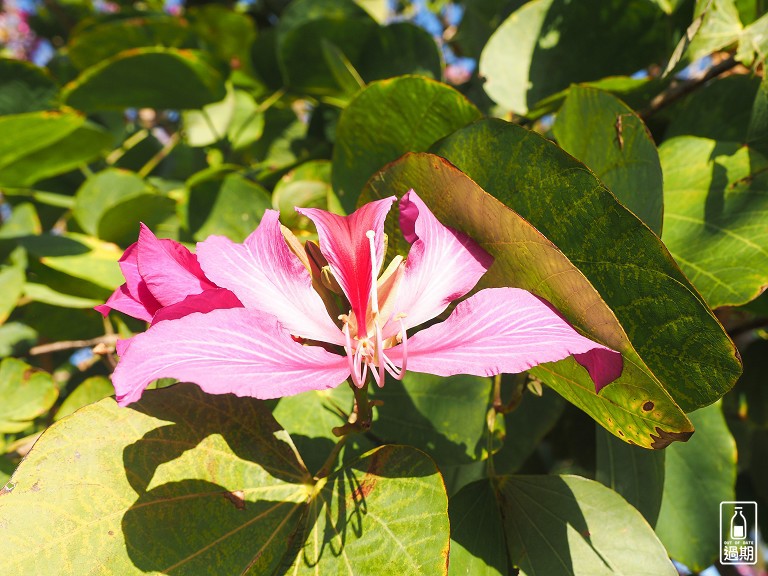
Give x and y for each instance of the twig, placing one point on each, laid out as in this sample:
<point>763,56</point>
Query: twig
<point>160,156</point>
<point>678,91</point>
<point>109,339</point>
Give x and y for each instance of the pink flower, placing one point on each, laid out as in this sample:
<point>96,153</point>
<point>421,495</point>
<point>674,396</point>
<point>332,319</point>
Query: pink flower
<point>283,340</point>
<point>163,281</point>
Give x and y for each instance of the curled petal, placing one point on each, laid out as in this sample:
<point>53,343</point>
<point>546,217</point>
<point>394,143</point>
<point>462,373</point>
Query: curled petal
<point>171,272</point>
<point>504,330</point>
<point>344,244</point>
<point>265,275</point>
<point>206,301</point>
<point>132,298</point>
<point>238,351</point>
<point>442,265</point>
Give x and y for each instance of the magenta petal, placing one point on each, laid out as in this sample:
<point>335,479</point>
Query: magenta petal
<point>265,275</point>
<point>503,330</point>
<point>442,265</point>
<point>238,351</point>
<point>122,301</point>
<point>170,271</point>
<point>206,301</point>
<point>346,247</point>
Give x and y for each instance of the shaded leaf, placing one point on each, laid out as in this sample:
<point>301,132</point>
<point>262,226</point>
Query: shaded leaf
<point>698,476</point>
<point>47,295</point>
<point>387,119</point>
<point>89,45</point>
<point>146,78</point>
<point>227,204</point>
<point>613,141</point>
<point>571,525</point>
<point>541,48</point>
<point>667,321</point>
<point>308,186</point>
<point>11,288</point>
<point>400,48</point>
<point>302,28</point>
<point>24,87</point>
<point>636,474</point>
<point>23,221</point>
<point>444,417</point>
<point>186,482</point>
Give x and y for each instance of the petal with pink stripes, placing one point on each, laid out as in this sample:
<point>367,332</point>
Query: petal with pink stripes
<point>344,244</point>
<point>265,275</point>
<point>504,330</point>
<point>238,351</point>
<point>442,265</point>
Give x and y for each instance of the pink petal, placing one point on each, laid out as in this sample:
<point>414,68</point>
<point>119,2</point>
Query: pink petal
<point>265,275</point>
<point>504,330</point>
<point>206,301</point>
<point>442,265</point>
<point>122,345</point>
<point>122,301</point>
<point>346,247</point>
<point>132,298</point>
<point>170,270</point>
<point>238,351</point>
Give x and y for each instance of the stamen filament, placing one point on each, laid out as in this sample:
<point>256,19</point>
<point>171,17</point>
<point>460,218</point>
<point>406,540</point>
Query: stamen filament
<point>350,361</point>
<point>375,310</point>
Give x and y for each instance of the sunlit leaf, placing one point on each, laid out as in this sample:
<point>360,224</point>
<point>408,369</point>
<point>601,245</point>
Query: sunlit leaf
<point>26,392</point>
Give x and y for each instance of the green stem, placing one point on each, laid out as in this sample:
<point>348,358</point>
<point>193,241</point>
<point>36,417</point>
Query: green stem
<point>331,460</point>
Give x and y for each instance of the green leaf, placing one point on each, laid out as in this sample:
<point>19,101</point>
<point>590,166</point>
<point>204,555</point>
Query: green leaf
<point>247,124</point>
<point>666,320</point>
<point>444,417</point>
<point>87,392</point>
<point>636,474</point>
<point>22,222</point>
<point>90,45</point>
<point>228,34</point>
<point>146,78</point>
<point>209,125</point>
<point>636,406</point>
<point>477,536</point>
<point>387,119</point>
<point>698,476</point>
<point>400,48</point>
<point>120,222</point>
<point>613,141</point>
<point>102,191</point>
<point>386,513</point>
<point>26,392</point>
<point>715,197</point>
<point>47,295</point>
<point>184,481</point>
<point>719,110</point>
<point>78,255</point>
<point>314,436</point>
<point>46,144</point>
<point>16,338</point>
<point>525,428</point>
<point>11,288</point>
<point>541,48</point>
<point>551,525</point>
<point>308,186</point>
<point>24,87</point>
<point>302,28</point>
<point>571,525</point>
<point>227,204</point>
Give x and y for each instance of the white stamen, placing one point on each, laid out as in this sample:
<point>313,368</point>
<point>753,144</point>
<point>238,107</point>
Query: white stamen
<point>375,310</point>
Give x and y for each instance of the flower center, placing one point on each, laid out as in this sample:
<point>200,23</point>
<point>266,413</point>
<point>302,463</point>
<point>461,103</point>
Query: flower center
<point>369,350</point>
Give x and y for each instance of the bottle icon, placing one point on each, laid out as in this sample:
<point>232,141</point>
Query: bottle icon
<point>738,525</point>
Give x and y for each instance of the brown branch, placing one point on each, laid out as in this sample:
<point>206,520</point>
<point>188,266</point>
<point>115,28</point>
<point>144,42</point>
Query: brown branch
<point>109,340</point>
<point>682,89</point>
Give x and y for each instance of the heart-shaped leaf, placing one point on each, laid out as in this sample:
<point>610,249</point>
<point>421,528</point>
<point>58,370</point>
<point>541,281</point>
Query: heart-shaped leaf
<point>668,322</point>
<point>186,483</point>
<point>147,78</point>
